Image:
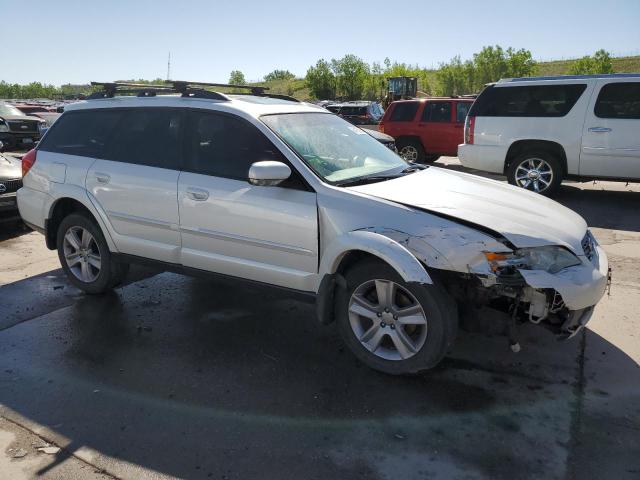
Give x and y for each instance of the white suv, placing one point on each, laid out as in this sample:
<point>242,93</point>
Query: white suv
<point>541,130</point>
<point>279,192</point>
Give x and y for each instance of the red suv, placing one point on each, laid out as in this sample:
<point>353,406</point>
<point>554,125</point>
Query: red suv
<point>427,128</point>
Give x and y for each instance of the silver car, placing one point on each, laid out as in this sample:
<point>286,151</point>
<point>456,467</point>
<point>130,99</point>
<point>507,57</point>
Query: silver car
<point>266,189</point>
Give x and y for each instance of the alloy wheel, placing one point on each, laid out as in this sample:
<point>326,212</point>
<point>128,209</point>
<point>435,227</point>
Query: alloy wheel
<point>534,174</point>
<point>387,319</point>
<point>409,153</point>
<point>82,254</point>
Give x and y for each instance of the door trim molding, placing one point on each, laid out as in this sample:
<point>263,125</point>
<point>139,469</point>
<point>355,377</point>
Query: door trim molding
<point>248,241</point>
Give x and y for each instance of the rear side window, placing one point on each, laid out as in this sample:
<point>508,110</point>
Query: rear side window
<point>527,101</point>
<point>462,108</point>
<point>83,133</point>
<point>226,146</point>
<point>404,112</point>
<point>148,136</point>
<point>619,100</point>
<point>437,112</point>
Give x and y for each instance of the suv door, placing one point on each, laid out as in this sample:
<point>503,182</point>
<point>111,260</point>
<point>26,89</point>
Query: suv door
<point>436,127</point>
<point>263,233</point>
<point>610,138</point>
<point>135,184</point>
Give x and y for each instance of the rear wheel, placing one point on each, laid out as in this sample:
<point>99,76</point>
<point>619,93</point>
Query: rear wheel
<point>85,256</point>
<point>393,326</point>
<point>538,171</point>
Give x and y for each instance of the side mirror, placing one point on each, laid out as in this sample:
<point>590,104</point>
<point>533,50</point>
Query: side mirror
<point>268,173</point>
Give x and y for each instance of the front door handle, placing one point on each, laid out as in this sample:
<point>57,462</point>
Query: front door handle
<point>197,194</point>
<point>599,129</point>
<point>102,177</point>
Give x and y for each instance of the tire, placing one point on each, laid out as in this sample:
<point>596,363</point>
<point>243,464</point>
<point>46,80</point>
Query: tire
<point>85,256</point>
<point>536,170</point>
<point>431,158</point>
<point>356,321</point>
<point>411,150</point>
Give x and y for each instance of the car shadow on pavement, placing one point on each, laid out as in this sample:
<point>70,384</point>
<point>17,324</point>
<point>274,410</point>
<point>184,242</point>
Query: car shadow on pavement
<point>197,378</point>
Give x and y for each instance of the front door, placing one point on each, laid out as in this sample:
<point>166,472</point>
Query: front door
<point>136,183</point>
<point>611,135</point>
<point>263,233</point>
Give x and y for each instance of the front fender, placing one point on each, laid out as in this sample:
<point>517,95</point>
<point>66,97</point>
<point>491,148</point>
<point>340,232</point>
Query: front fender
<point>379,245</point>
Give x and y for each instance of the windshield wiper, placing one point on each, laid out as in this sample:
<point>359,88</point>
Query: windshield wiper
<point>365,180</point>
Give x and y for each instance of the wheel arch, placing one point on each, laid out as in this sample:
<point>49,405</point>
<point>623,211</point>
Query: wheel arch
<point>520,146</point>
<point>352,247</point>
<point>64,206</point>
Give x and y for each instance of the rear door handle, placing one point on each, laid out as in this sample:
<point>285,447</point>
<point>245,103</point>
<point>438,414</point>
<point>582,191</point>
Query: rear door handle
<point>599,129</point>
<point>197,194</point>
<point>102,177</point>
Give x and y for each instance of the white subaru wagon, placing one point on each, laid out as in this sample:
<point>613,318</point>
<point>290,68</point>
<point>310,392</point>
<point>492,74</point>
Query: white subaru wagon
<point>267,189</point>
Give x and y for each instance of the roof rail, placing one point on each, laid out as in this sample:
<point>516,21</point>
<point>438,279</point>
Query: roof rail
<point>256,90</point>
<point>110,89</point>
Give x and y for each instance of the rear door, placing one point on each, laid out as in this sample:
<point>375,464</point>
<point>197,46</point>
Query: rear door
<point>611,135</point>
<point>263,233</point>
<point>436,127</point>
<point>135,183</point>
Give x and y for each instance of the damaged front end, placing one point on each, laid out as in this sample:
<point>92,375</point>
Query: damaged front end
<point>548,286</point>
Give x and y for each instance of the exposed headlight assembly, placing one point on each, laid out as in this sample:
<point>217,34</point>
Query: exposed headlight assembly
<point>4,126</point>
<point>551,259</point>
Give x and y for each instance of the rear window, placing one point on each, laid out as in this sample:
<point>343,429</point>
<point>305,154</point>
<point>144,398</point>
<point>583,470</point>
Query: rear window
<point>404,112</point>
<point>527,101</point>
<point>619,100</point>
<point>83,133</point>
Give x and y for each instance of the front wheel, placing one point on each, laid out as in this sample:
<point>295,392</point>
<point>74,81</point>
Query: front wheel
<point>393,326</point>
<point>537,171</point>
<point>85,256</point>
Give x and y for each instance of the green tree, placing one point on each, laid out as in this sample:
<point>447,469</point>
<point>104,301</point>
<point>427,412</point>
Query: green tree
<point>237,78</point>
<point>351,74</point>
<point>279,75</point>
<point>600,62</point>
<point>321,80</point>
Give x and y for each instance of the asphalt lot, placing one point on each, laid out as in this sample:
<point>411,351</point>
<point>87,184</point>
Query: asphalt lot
<point>172,376</point>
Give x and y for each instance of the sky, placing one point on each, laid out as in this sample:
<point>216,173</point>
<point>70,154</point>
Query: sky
<point>73,41</point>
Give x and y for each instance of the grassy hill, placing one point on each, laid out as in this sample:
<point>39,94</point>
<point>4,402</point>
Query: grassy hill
<point>298,88</point>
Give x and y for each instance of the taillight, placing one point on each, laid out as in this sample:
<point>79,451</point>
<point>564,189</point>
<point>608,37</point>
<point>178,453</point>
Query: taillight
<point>381,126</point>
<point>469,127</point>
<point>28,160</point>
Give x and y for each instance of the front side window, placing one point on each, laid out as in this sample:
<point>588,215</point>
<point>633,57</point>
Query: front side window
<point>226,146</point>
<point>404,112</point>
<point>527,101</point>
<point>84,133</point>
<point>619,100</point>
<point>437,112</point>
<point>336,150</point>
<point>148,136</point>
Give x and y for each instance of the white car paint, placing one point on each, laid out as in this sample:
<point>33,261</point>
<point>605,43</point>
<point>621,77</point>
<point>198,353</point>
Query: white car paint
<point>430,219</point>
<point>611,152</point>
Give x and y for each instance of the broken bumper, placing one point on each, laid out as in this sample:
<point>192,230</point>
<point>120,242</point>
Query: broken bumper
<point>575,322</point>
<point>581,286</point>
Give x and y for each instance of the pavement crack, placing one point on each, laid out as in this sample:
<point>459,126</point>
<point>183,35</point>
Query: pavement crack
<point>96,468</point>
<point>577,408</point>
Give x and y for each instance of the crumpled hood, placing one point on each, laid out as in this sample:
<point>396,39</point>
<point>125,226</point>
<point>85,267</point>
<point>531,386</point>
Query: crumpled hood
<point>10,168</point>
<point>525,218</point>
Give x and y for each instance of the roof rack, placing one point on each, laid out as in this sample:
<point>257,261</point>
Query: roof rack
<point>186,89</point>
<point>258,91</point>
